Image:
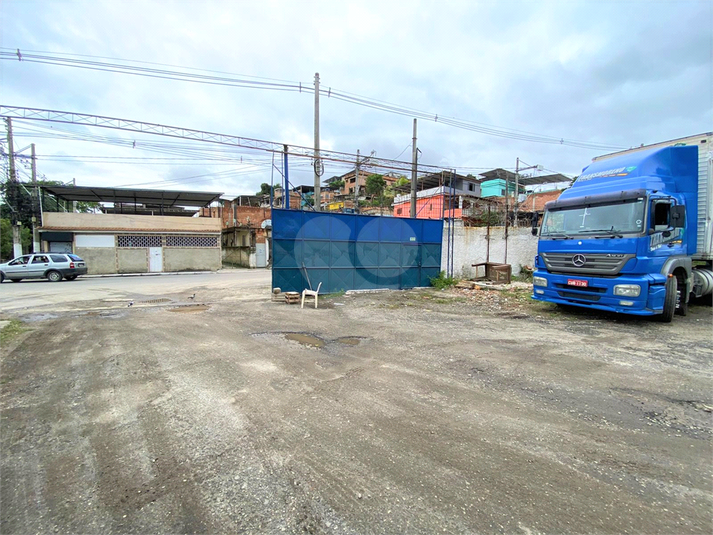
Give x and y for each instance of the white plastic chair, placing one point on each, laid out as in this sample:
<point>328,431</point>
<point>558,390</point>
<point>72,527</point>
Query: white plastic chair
<point>313,293</point>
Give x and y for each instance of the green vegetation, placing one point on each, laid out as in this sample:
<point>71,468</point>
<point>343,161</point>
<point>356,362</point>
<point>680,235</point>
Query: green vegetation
<point>6,249</point>
<point>11,330</point>
<point>443,281</point>
<point>336,185</point>
<point>264,189</point>
<point>525,274</point>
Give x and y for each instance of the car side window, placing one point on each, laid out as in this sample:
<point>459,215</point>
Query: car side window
<point>20,261</point>
<point>57,258</point>
<point>39,259</point>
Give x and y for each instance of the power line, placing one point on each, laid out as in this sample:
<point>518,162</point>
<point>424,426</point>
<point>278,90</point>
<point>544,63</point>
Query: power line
<point>243,81</point>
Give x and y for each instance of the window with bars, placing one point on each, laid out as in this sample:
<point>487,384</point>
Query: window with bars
<point>191,241</point>
<point>138,241</point>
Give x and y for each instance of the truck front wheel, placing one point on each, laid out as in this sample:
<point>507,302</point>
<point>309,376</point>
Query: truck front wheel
<point>669,302</point>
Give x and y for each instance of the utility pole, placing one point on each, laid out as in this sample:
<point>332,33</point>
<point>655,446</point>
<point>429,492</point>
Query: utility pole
<point>35,231</point>
<point>74,203</point>
<point>16,224</point>
<point>318,170</point>
<point>414,171</point>
<point>517,192</point>
<point>286,191</point>
<point>356,185</point>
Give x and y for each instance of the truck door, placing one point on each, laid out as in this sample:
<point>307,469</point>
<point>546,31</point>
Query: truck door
<point>664,239</point>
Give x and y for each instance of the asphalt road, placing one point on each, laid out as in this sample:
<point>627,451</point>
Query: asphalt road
<point>16,297</point>
<point>403,412</point>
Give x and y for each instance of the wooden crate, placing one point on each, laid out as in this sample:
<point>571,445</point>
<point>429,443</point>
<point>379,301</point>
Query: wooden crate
<point>292,298</point>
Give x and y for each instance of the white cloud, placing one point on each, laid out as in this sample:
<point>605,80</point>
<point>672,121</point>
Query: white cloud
<point>598,72</point>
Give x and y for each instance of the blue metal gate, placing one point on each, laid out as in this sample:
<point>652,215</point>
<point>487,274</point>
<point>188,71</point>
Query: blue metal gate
<point>353,252</point>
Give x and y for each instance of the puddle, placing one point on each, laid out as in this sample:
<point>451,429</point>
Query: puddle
<point>39,317</point>
<point>349,341</point>
<point>305,339</point>
<point>190,308</point>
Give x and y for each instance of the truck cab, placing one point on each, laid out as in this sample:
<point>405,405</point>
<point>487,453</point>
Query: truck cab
<point>624,237</point>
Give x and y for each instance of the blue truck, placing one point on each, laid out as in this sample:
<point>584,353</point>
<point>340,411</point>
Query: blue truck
<point>633,234</point>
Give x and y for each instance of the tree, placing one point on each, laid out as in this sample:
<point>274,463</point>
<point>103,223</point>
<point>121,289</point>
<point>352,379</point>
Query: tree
<point>20,201</point>
<point>6,246</point>
<point>402,181</point>
<point>264,189</point>
<point>336,185</point>
<point>375,185</point>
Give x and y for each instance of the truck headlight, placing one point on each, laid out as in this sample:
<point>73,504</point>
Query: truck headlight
<point>539,281</point>
<point>627,290</point>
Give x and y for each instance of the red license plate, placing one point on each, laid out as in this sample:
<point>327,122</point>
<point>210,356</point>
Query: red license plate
<point>577,282</point>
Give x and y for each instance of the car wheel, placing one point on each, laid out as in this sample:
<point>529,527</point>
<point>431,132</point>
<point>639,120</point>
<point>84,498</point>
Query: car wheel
<point>2,277</point>
<point>669,301</point>
<point>70,277</point>
<point>54,276</point>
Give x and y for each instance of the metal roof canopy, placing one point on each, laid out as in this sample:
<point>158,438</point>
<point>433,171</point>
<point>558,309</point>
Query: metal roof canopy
<point>165,198</point>
<point>434,180</point>
<point>525,180</point>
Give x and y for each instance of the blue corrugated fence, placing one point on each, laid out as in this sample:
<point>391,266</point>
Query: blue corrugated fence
<point>353,252</point>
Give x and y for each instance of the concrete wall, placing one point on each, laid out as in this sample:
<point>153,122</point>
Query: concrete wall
<point>99,260</point>
<point>132,260</point>
<point>470,247</point>
<point>127,222</point>
<point>237,256</point>
<point>191,259</point>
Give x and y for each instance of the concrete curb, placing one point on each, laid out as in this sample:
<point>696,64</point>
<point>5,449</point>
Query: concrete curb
<point>162,274</point>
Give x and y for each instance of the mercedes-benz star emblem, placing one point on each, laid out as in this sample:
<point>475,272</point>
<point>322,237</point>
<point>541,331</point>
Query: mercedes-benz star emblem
<point>579,260</point>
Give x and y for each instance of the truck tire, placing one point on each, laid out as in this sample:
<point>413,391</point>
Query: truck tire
<point>669,301</point>
<point>681,296</point>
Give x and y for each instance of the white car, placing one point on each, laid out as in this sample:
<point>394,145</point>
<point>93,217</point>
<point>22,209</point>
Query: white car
<point>51,266</point>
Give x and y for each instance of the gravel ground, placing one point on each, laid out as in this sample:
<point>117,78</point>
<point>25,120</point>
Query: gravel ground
<point>455,411</point>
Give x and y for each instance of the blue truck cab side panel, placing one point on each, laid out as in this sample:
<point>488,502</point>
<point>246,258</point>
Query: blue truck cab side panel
<point>668,173</point>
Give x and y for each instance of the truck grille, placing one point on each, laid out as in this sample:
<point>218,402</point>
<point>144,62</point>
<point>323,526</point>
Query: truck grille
<point>592,264</point>
<point>581,297</point>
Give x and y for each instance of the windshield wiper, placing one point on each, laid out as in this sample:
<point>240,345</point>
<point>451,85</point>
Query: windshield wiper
<point>609,232</point>
<point>557,236</point>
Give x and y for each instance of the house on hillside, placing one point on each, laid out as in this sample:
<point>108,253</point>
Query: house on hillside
<point>437,198</point>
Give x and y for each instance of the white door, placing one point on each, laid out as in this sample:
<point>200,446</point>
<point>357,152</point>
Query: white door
<point>155,259</point>
<point>260,255</point>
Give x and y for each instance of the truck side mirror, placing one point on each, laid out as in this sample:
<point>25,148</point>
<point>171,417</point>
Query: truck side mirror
<point>678,216</point>
<point>534,223</point>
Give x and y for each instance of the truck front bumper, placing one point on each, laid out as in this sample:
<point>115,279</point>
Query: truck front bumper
<point>599,293</point>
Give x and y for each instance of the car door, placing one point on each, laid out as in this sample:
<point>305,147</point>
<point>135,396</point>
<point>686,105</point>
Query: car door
<point>38,265</point>
<point>18,268</point>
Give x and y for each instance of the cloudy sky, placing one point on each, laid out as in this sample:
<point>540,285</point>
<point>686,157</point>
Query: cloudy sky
<point>604,74</point>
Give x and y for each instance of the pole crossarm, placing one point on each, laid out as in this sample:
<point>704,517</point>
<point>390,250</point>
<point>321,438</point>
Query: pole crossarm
<point>37,114</point>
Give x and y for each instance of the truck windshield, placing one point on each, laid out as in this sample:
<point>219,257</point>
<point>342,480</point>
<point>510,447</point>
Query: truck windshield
<point>598,220</point>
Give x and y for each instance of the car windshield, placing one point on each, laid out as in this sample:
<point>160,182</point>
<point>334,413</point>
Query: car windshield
<point>603,219</point>
<point>75,258</point>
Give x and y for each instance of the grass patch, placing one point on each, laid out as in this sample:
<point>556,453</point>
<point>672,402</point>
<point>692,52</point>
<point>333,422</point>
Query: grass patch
<point>11,330</point>
<point>443,281</point>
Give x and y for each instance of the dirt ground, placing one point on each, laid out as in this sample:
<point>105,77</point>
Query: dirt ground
<point>455,411</point>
